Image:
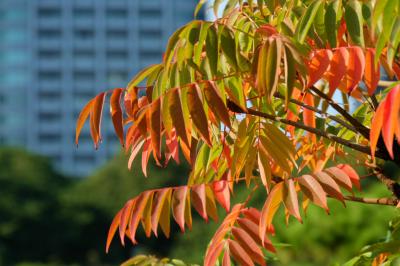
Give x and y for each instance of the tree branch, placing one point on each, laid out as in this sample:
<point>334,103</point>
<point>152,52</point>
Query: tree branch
<point>361,148</point>
<point>324,114</point>
<point>392,185</point>
<point>379,201</point>
<point>364,131</point>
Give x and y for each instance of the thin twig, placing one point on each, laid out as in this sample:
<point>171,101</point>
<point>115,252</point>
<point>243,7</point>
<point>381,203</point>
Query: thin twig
<point>378,201</point>
<point>364,131</point>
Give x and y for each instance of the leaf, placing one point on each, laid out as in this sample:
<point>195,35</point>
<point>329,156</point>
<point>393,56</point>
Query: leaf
<point>318,64</point>
<point>340,177</point>
<point>82,118</point>
<point>270,207</point>
<point>290,199</point>
<point>222,195</point>
<point>308,115</point>
<point>332,16</point>
<point>212,49</point>
<point>113,229</point>
<point>313,190</point>
<point>351,173</point>
<point>329,185</point>
<point>272,68</point>
<point>391,114</point>
<point>212,256</point>
<point>228,46</point>
<point>239,254</point>
<point>142,75</point>
<point>377,121</point>
<point>175,109</point>
<point>197,113</point>
<point>252,229</point>
<point>354,21</point>
<point>199,200</point>
<point>146,216</point>
<point>178,205</point>
<point>211,207</point>
<point>372,72</point>
<point>216,103</point>
<point>96,114</point>
<point>307,20</point>
<point>264,168</point>
<point>337,68</point>
<point>125,216</point>
<point>226,260</point>
<point>249,245</point>
<point>162,197</point>
<point>290,74</point>
<point>137,212</point>
<point>155,127</point>
<point>116,113</point>
<point>355,70</point>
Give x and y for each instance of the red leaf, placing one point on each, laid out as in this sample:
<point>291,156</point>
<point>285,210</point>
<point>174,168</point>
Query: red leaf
<point>355,69</point>
<point>372,73</point>
<point>216,103</point>
<point>146,155</point>
<point>253,230</point>
<point>340,177</point>
<point>352,174</point>
<point>116,114</point>
<point>313,190</point>
<point>96,114</point>
<point>175,109</point>
<point>211,257</point>
<point>239,254</point>
<point>222,195</point>
<point>308,115</point>
<point>113,229</point>
<point>318,64</point>
<point>125,216</point>
<point>329,185</point>
<point>226,260</point>
<point>337,68</point>
<point>199,200</point>
<point>391,115</point>
<point>82,118</point>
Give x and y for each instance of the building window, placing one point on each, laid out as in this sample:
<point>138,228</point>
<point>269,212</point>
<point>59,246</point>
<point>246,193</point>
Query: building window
<point>83,13</point>
<point>84,158</point>
<point>50,75</point>
<point>150,12</point>
<point>84,76</point>
<point>117,34</point>
<point>49,33</point>
<point>117,54</point>
<point>84,34</point>
<point>150,33</point>
<point>49,116</point>
<point>86,54</point>
<point>49,54</point>
<point>117,76</point>
<point>49,12</point>
<point>49,137</point>
<point>116,13</point>
<point>49,95</point>
<point>150,54</point>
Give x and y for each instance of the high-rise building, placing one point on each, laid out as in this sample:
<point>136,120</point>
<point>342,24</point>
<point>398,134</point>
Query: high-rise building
<point>57,54</point>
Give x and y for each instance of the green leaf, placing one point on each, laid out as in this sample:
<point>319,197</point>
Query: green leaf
<point>228,46</point>
<point>143,74</point>
<point>212,49</point>
<point>307,20</point>
<point>354,21</point>
<point>332,16</point>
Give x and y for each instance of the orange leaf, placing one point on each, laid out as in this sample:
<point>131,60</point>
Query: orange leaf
<point>337,68</point>
<point>239,254</point>
<point>249,245</point>
<point>391,115</point>
<point>372,72</point>
<point>155,128</point>
<point>199,200</point>
<point>116,113</point>
<point>290,199</point>
<point>216,103</point>
<point>161,198</point>
<point>197,113</point>
<point>82,118</point>
<point>96,113</point>
<point>178,205</point>
<point>175,109</point>
<point>318,64</point>
<point>377,121</point>
<point>125,216</point>
<point>134,152</point>
<point>137,213</point>
<point>308,115</point>
<point>226,260</point>
<point>146,216</point>
<point>211,257</point>
<point>221,192</point>
<point>271,205</point>
<point>113,229</point>
<point>146,155</point>
<point>211,207</point>
<point>313,190</point>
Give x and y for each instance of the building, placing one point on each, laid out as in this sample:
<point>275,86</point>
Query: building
<point>57,54</point>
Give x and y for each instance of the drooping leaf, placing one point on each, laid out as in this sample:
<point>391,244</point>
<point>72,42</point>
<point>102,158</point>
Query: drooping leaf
<point>307,20</point>
<point>175,109</point>
<point>249,245</point>
<point>179,205</point>
<point>116,113</point>
<point>290,199</point>
<point>391,115</point>
<point>354,21</point>
<point>84,114</point>
<point>113,228</point>
<point>199,200</point>
<point>239,254</point>
<point>197,113</point>
<point>96,115</point>
<point>222,194</point>
<point>337,68</point>
<point>375,132</point>
<point>318,64</point>
<point>216,103</point>
<point>162,197</point>
<point>372,72</point>
<point>313,190</point>
<point>271,205</point>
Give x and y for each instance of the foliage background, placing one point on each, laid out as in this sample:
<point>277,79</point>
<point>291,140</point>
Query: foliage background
<point>50,219</point>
